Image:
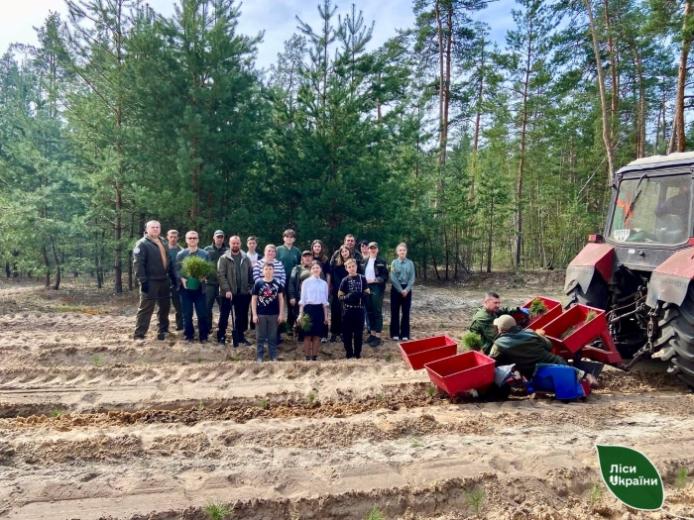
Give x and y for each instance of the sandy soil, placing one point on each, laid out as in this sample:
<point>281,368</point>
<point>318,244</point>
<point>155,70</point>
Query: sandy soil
<point>93,425</point>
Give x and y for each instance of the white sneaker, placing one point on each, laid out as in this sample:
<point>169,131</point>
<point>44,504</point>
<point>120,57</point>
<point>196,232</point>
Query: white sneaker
<point>395,338</point>
<point>405,338</point>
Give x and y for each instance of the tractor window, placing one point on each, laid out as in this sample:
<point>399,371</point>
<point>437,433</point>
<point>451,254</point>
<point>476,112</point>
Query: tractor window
<point>652,210</point>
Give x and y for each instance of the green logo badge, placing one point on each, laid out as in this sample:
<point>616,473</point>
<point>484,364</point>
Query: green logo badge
<point>631,477</point>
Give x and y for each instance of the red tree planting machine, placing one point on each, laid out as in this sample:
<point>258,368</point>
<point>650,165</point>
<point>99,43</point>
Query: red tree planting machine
<point>632,295</point>
<point>639,272</point>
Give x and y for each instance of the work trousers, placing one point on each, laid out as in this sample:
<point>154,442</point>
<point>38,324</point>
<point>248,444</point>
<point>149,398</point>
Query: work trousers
<point>194,300</point>
<point>335,315</point>
<point>352,331</point>
<point>239,306</point>
<point>158,293</point>
<point>176,301</point>
<point>266,331</point>
<point>212,296</point>
<point>400,326</point>
<point>374,307</point>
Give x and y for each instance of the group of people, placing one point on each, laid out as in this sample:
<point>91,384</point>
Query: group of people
<point>322,296</point>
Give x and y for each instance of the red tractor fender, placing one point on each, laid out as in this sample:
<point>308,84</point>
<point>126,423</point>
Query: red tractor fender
<point>670,280</point>
<point>593,257</point>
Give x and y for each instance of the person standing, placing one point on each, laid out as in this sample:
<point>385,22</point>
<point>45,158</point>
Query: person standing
<point>155,274</point>
<point>350,242</point>
<point>402,281</point>
<point>253,256</point>
<point>290,256</point>
<point>235,276</point>
<point>321,256</point>
<point>376,273</point>
<point>270,257</point>
<point>215,250</point>
<point>267,306</point>
<point>337,272</point>
<point>300,273</point>
<point>353,293</point>
<point>314,305</point>
<point>173,249</point>
<point>251,253</point>
<point>192,299</point>
<point>363,249</point>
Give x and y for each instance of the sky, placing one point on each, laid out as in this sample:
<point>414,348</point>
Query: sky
<point>277,18</point>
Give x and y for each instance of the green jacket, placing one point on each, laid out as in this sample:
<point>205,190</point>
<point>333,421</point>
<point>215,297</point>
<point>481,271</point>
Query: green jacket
<point>525,349</point>
<point>214,254</point>
<point>483,324</point>
<point>289,258</point>
<point>226,272</point>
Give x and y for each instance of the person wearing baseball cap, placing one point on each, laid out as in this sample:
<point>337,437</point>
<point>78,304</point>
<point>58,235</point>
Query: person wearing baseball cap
<point>375,270</point>
<point>523,348</point>
<point>526,349</point>
<point>215,250</point>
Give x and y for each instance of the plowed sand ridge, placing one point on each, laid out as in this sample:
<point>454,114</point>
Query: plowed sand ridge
<point>93,425</point>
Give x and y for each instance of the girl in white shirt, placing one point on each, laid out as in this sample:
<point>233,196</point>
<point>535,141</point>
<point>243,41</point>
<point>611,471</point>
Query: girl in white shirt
<point>313,311</point>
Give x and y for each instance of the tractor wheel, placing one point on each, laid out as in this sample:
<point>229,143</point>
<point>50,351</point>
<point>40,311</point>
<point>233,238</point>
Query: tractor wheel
<point>596,295</point>
<point>678,324</point>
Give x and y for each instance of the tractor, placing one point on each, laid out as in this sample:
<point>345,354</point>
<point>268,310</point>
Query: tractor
<point>641,269</point>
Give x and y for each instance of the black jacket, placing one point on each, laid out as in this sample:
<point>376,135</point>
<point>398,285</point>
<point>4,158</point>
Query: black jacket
<point>148,264</point>
<point>380,269</point>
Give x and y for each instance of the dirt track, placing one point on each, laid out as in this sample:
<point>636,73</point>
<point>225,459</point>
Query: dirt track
<point>94,426</point>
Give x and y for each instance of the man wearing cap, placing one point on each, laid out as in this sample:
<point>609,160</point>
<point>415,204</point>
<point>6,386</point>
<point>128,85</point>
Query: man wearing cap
<point>155,272</point>
<point>376,272</point>
<point>525,349</point>
<point>215,250</point>
<point>235,275</point>
<point>483,320</point>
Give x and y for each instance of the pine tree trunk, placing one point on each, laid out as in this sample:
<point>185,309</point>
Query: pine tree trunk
<point>522,152</point>
<point>678,141</point>
<point>604,108</point>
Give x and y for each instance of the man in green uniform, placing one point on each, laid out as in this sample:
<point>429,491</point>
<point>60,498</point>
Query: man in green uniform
<point>215,250</point>
<point>155,273</point>
<point>483,320</point>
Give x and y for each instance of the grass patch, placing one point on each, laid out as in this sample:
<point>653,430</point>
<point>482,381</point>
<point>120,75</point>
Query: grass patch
<point>431,390</point>
<point>474,498</point>
<point>388,357</point>
<point>264,404</point>
<point>311,398</point>
<point>217,511</point>
<point>97,360</point>
<point>375,514</point>
<point>57,413</point>
<point>681,478</point>
<point>595,496</point>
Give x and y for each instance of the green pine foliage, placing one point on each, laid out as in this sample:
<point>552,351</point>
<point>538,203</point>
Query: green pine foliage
<point>170,118</point>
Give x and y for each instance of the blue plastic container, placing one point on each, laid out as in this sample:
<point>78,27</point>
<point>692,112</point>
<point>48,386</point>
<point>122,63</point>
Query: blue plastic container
<point>562,380</point>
